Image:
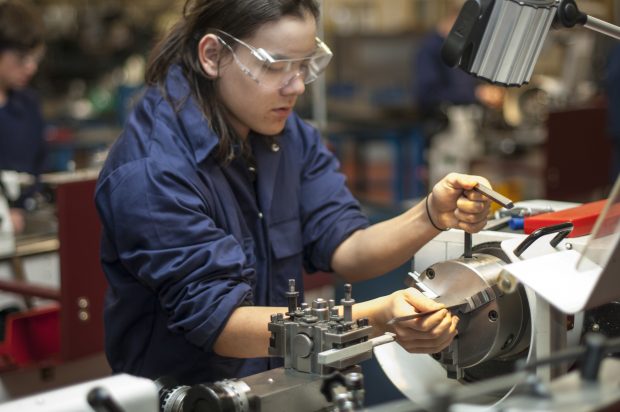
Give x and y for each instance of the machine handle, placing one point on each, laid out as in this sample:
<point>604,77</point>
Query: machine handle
<point>562,230</point>
<point>101,400</point>
<point>494,196</point>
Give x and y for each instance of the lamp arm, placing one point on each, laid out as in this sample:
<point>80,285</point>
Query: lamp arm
<point>603,27</point>
<point>569,15</point>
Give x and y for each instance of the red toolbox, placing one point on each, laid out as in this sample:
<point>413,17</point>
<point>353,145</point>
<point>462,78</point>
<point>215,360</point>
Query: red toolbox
<point>582,217</point>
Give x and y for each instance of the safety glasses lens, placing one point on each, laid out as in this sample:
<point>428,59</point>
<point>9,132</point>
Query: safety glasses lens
<point>275,73</point>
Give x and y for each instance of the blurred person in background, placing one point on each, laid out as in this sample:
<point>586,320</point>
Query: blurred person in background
<point>22,142</point>
<point>437,85</point>
<point>612,90</point>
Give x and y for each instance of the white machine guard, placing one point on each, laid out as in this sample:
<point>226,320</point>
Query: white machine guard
<point>573,281</point>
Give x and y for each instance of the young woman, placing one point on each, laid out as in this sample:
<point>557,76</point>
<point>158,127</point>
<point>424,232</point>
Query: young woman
<point>217,193</point>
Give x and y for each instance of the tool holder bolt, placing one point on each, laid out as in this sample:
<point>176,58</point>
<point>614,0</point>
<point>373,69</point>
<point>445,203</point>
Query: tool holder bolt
<point>291,296</point>
<point>347,303</point>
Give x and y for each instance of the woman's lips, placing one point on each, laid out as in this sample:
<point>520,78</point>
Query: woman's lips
<point>283,111</point>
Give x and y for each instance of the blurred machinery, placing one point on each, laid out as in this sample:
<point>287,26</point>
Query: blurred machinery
<point>52,293</point>
<point>9,190</point>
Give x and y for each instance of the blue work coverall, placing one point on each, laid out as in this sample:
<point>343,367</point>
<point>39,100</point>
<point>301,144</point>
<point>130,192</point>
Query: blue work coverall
<point>187,240</point>
<point>22,138</point>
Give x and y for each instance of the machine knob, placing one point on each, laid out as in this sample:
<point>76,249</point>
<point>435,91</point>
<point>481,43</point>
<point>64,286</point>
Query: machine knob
<point>320,309</point>
<point>302,345</point>
<point>354,380</point>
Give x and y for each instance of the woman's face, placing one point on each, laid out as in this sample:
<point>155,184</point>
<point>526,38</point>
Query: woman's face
<point>254,106</point>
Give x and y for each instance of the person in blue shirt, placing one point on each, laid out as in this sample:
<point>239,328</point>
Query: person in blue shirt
<point>216,193</point>
<point>612,90</point>
<point>437,85</point>
<point>22,142</point>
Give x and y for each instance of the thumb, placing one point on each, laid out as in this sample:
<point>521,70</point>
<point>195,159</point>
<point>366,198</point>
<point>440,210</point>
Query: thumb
<point>420,302</point>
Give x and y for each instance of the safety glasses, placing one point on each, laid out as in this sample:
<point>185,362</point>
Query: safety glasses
<point>264,69</point>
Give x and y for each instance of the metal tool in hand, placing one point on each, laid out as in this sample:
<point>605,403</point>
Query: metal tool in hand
<point>468,304</point>
<point>422,314</point>
<point>494,196</point>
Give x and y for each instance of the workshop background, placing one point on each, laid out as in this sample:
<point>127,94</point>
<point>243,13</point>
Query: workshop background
<point>548,140</point>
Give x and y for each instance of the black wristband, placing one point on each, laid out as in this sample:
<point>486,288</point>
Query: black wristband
<point>428,213</point>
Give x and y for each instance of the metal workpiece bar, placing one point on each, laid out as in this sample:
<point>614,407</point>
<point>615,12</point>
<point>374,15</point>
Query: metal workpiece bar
<point>332,356</point>
<point>387,337</point>
<point>603,27</point>
<point>494,196</point>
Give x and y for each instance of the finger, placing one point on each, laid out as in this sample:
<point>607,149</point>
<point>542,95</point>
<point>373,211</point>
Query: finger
<point>426,332</point>
<point>474,196</point>
<point>471,228</point>
<point>455,323</point>
<point>420,302</point>
<point>421,346</point>
<point>430,322</point>
<point>428,345</point>
<point>411,335</point>
<point>465,182</point>
<point>471,218</point>
<point>424,324</point>
<point>443,328</point>
<point>466,205</point>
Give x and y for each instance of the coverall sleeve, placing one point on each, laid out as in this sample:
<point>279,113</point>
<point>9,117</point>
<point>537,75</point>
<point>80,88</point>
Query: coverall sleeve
<point>329,211</point>
<point>159,221</point>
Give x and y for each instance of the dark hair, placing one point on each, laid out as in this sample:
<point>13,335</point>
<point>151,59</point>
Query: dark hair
<point>21,27</point>
<point>240,18</point>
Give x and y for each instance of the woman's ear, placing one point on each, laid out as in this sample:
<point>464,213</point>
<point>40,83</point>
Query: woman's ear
<point>209,49</point>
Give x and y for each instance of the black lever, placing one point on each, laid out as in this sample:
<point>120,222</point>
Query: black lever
<point>494,196</point>
<point>562,230</point>
<point>101,400</point>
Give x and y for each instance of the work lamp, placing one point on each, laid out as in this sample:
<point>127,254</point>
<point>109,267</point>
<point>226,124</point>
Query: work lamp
<point>500,40</point>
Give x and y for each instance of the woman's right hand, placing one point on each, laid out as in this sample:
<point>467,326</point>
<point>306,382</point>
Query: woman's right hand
<point>427,334</point>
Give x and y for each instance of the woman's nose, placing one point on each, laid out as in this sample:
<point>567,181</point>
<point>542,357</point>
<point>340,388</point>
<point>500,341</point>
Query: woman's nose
<point>295,85</point>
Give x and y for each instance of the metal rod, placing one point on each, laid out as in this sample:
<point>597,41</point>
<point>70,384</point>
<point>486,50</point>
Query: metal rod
<point>601,26</point>
<point>28,289</point>
<point>467,254</point>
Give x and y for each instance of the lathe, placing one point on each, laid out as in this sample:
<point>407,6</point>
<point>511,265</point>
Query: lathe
<point>513,350</point>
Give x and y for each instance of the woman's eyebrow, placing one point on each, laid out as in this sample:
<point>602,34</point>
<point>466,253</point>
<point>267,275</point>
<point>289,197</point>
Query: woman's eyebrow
<point>278,56</point>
